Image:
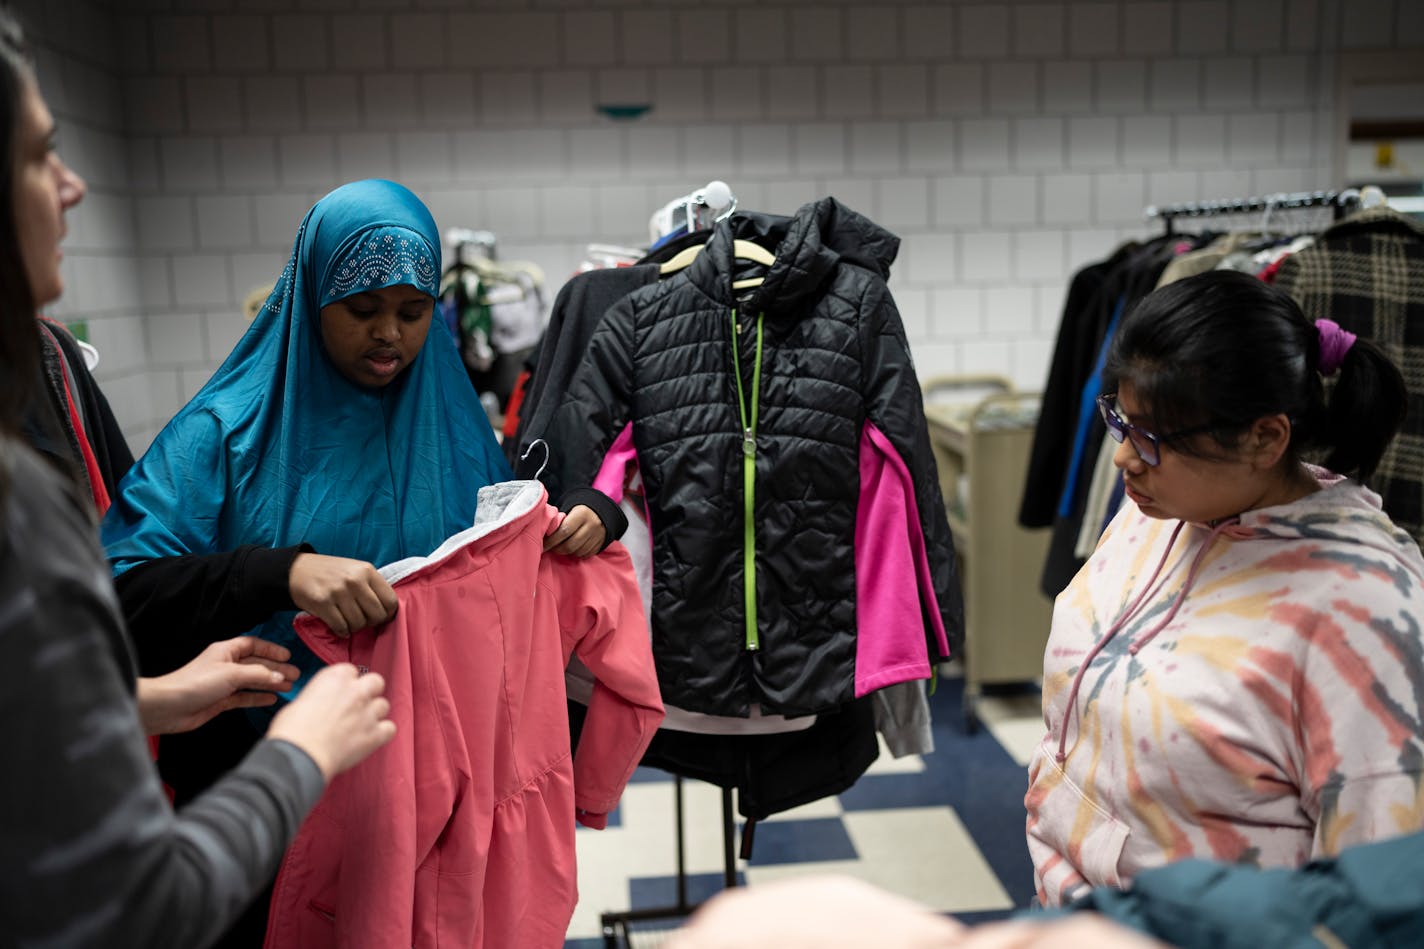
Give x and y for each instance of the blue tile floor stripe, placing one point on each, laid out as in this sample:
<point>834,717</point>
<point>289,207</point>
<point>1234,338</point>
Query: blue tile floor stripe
<point>801,841</point>
<point>643,775</point>
<point>651,892</point>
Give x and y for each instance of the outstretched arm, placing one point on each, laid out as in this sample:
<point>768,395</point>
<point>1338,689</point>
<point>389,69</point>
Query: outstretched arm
<point>174,607</point>
<point>245,672</point>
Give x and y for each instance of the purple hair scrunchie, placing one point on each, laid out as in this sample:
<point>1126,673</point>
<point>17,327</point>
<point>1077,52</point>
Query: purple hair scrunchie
<point>1334,344</point>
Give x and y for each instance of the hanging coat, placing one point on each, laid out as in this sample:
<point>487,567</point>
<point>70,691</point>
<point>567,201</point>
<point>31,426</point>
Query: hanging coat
<point>1367,274</point>
<point>460,832</point>
<point>751,414</point>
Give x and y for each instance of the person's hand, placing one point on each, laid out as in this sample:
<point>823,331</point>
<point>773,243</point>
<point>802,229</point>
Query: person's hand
<point>579,534</point>
<point>345,594</point>
<point>338,719</point>
<point>236,673</point>
<point>814,912</point>
<point>1075,931</point>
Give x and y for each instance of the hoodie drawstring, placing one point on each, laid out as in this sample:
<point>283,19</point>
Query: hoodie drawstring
<point>1127,615</point>
<point>1148,636</point>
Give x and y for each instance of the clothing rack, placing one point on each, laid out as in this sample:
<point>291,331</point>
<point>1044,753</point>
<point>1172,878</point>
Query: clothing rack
<point>462,237</point>
<point>616,925</point>
<point>697,211</point>
<point>1343,202</point>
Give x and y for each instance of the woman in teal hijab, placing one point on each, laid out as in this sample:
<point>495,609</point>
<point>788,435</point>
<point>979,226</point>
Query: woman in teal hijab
<point>341,432</point>
<point>292,444</point>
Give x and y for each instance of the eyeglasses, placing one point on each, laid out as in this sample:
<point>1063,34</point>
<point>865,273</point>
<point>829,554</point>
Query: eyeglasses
<point>1147,445</point>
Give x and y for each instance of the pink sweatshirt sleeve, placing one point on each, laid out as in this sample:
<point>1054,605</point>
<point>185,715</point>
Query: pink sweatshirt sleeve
<point>612,473</point>
<point>895,595</point>
<point>601,619</point>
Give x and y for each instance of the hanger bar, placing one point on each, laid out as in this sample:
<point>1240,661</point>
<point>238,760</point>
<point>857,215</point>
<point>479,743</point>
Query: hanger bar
<point>1298,199</point>
<point>461,236</point>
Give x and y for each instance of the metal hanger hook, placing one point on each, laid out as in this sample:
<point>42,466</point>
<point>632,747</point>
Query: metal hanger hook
<point>1272,200</point>
<point>547,452</point>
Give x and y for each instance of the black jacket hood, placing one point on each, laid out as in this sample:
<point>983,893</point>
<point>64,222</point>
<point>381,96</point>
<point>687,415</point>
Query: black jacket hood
<point>807,247</point>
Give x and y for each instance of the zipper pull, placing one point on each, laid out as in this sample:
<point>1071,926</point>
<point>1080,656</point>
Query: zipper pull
<point>748,443</point>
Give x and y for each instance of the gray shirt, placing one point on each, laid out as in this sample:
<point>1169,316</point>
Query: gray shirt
<point>91,853</point>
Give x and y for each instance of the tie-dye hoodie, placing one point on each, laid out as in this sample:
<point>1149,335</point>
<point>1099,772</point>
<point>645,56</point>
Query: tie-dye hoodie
<point>1253,692</point>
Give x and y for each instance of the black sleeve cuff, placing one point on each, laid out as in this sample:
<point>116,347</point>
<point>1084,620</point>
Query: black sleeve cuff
<point>615,522</point>
<point>267,574</point>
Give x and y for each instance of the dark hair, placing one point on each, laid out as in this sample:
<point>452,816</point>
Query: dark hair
<point>1223,349</point>
<point>19,334</point>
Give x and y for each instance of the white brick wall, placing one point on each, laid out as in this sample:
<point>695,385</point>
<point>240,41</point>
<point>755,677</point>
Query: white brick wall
<point>1007,143</point>
<point>105,288</point>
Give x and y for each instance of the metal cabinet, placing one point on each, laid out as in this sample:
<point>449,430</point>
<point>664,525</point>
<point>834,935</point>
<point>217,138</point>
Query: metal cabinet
<point>981,431</point>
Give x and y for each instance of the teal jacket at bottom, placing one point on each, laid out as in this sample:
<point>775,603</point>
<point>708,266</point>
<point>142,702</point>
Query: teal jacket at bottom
<point>1370,897</point>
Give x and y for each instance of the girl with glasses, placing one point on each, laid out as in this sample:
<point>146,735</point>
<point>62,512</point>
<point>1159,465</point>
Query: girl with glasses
<point>1237,672</point>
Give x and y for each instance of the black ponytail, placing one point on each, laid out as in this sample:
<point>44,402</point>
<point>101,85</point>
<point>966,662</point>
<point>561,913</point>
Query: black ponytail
<point>1364,411</point>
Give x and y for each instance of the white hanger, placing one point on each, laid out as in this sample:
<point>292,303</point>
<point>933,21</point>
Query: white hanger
<point>91,355</point>
<point>529,448</point>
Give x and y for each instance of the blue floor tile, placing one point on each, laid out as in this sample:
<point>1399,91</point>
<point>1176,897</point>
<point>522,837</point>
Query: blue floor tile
<point>661,891</point>
<point>643,775</point>
<point>801,841</point>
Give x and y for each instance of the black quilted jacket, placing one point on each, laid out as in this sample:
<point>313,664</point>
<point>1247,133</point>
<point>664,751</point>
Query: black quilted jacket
<point>834,356</point>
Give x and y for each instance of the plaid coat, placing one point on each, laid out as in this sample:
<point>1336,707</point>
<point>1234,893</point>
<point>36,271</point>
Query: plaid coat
<point>1367,274</point>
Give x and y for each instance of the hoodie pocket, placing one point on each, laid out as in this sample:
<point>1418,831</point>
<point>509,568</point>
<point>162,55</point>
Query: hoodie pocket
<point>1074,842</point>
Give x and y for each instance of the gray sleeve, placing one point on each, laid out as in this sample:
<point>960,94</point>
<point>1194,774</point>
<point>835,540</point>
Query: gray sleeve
<point>902,717</point>
<point>93,853</point>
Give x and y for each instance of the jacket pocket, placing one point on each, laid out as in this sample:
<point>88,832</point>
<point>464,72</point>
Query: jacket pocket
<point>1073,841</point>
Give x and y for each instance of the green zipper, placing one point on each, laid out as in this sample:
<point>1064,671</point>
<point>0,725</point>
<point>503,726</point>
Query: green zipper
<point>749,429</point>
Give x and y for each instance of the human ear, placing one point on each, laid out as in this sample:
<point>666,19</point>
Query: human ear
<point>1268,439</point>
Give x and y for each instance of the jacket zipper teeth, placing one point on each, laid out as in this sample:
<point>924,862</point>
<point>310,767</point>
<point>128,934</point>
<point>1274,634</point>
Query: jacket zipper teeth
<point>749,427</point>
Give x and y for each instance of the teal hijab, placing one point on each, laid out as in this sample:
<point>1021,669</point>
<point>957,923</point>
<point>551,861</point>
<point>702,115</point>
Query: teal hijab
<point>279,448</point>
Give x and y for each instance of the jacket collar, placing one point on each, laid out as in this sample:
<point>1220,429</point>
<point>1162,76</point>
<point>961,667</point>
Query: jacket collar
<point>499,505</point>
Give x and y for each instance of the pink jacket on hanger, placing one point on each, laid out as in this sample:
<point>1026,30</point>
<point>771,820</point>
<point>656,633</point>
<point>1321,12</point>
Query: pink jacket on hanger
<point>460,832</point>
